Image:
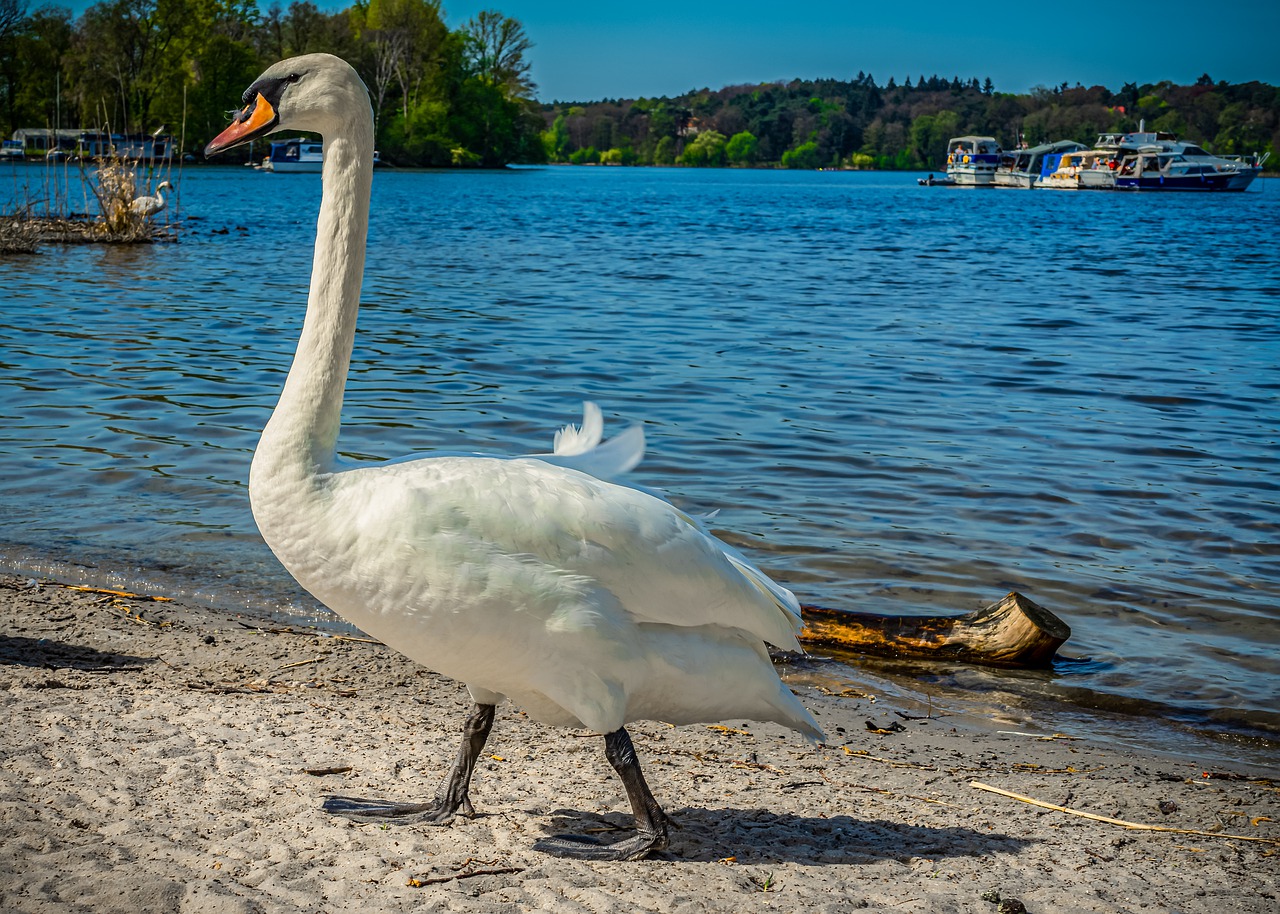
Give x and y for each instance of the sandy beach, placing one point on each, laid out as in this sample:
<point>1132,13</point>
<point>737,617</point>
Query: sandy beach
<point>165,757</point>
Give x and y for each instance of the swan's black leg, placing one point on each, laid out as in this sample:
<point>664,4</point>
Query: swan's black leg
<point>650,820</point>
<point>451,799</point>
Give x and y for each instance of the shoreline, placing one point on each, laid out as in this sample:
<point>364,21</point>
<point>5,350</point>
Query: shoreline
<point>164,756</point>
<point>990,698</point>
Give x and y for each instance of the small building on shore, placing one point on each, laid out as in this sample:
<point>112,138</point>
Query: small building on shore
<point>91,144</point>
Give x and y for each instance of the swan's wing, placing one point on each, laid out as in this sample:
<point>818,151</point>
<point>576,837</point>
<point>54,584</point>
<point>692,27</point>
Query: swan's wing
<point>658,561</point>
<point>560,524</point>
<point>568,511</point>
<point>623,453</point>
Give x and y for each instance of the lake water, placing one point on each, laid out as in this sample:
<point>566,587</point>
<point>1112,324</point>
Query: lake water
<point>901,399</point>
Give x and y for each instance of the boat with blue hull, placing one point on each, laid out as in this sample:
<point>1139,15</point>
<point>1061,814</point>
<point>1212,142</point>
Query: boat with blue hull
<point>972,161</point>
<point>1082,169</point>
<point>289,156</point>
<point>1162,162</point>
<point>1021,167</point>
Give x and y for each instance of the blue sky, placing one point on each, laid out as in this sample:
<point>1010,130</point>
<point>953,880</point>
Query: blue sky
<point>601,49</point>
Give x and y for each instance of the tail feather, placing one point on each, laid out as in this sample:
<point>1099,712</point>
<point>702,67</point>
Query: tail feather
<point>580,448</point>
<point>574,439</point>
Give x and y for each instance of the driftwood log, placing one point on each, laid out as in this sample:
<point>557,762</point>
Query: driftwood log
<point>1014,632</point>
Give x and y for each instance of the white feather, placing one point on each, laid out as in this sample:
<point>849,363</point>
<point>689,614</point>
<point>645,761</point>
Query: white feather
<point>573,439</point>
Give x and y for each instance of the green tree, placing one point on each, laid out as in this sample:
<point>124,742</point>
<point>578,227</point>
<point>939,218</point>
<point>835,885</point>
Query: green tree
<point>805,155</point>
<point>929,135</point>
<point>495,105</point>
<point>555,141</point>
<point>497,47</point>
<point>405,41</point>
<point>125,53</point>
<point>664,151</point>
<point>31,63</point>
<point>13,21</point>
<point>707,150</point>
<point>220,70</point>
<point>742,149</point>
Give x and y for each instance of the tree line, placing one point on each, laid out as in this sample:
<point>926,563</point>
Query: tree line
<point>857,123</point>
<point>442,96</point>
<point>463,96</point>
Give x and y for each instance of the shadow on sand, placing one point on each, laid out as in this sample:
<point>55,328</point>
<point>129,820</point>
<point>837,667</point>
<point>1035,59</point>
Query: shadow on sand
<point>55,655</point>
<point>763,836</point>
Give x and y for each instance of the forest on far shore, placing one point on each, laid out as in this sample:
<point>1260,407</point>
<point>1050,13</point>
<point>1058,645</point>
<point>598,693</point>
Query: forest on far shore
<point>857,123</point>
<point>463,96</point>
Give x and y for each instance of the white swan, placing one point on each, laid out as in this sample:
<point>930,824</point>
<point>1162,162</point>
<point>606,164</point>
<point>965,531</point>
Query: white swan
<point>151,204</point>
<point>586,602</point>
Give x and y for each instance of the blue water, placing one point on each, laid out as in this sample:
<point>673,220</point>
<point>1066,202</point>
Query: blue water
<point>901,399</point>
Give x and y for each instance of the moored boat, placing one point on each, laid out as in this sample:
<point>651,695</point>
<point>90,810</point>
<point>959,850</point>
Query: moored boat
<point>296,155</point>
<point>1022,167</point>
<point>1160,161</point>
<point>972,160</point>
<point>1083,169</point>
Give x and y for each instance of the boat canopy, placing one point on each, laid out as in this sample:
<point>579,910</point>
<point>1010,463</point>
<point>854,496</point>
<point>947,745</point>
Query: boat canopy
<point>290,150</point>
<point>974,144</point>
<point>1059,146</point>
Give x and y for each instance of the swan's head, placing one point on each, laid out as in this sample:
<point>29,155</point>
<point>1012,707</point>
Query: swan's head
<point>162,185</point>
<point>316,93</point>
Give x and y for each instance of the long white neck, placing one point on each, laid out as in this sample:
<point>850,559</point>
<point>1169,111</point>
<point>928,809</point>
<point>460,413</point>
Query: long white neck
<point>298,443</point>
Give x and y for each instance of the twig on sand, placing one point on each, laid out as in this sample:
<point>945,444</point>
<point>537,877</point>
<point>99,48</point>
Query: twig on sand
<point>896,763</point>
<point>115,593</point>
<point>417,882</point>
<point>291,666</point>
<point>306,634</point>
<point>1138,826</point>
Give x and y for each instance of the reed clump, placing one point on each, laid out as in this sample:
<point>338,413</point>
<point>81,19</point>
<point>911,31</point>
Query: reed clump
<point>17,236</point>
<point>113,183</point>
<point>116,191</point>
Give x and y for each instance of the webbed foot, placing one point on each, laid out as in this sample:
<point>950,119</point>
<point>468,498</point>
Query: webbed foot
<point>651,822</point>
<point>582,847</point>
<point>360,809</point>
<point>451,800</point>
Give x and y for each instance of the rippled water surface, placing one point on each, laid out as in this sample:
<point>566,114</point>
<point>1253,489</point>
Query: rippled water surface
<point>901,399</point>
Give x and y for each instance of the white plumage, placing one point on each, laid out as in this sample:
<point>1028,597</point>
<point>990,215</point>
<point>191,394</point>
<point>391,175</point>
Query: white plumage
<point>541,579</point>
<point>149,205</point>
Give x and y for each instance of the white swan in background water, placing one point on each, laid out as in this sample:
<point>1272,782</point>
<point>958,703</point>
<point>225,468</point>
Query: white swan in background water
<point>586,602</point>
<point>150,204</point>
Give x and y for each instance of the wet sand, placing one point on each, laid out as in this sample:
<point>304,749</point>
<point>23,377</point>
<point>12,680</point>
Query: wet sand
<point>165,757</point>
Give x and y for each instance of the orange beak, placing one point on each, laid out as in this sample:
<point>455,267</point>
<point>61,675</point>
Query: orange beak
<point>249,123</point>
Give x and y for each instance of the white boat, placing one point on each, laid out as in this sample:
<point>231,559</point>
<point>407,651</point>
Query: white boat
<point>972,160</point>
<point>299,155</point>
<point>12,149</point>
<point>1022,167</point>
<point>1084,169</point>
<point>290,156</point>
<point>1160,161</point>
